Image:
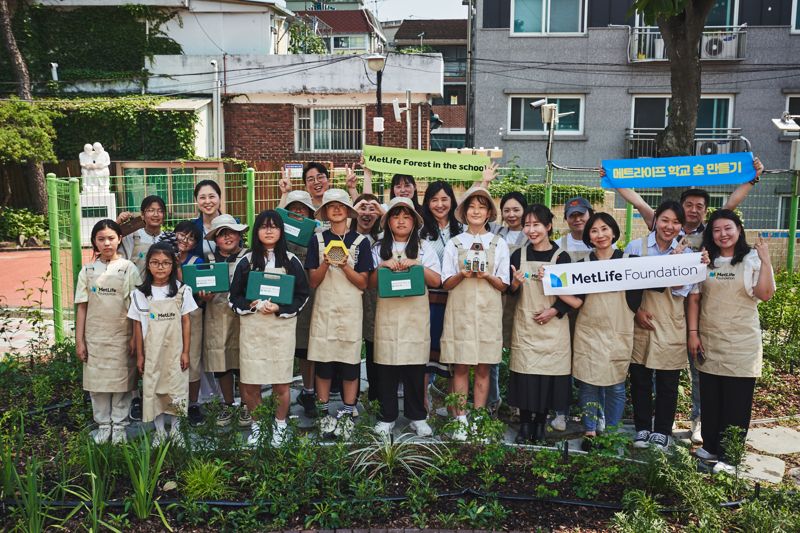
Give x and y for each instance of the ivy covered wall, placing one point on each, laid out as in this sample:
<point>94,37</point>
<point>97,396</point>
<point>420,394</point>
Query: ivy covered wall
<point>88,43</point>
<point>130,128</point>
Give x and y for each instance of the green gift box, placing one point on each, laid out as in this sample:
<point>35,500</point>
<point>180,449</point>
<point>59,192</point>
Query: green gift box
<point>297,228</point>
<point>409,282</point>
<point>209,277</point>
<point>278,288</point>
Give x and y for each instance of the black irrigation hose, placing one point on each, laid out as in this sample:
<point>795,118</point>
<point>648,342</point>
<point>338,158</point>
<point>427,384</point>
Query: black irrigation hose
<point>226,504</point>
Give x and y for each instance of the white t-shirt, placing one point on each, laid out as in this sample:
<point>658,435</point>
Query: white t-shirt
<point>126,247</point>
<point>139,309</point>
<point>450,266</point>
<point>752,269</point>
<point>575,245</point>
<point>129,274</point>
<point>427,255</point>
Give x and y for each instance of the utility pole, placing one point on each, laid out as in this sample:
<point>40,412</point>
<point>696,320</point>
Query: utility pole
<point>469,137</point>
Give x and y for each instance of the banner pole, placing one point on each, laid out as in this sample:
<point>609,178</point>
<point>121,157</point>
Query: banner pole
<point>55,253</point>
<point>628,222</point>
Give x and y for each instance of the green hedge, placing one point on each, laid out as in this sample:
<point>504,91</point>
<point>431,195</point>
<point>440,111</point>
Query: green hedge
<point>780,322</point>
<point>129,128</point>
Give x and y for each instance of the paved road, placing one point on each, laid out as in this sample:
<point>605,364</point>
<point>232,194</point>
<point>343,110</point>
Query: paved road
<point>21,277</point>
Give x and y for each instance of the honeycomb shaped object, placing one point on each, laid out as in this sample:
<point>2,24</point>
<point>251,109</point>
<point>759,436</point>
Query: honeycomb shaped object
<point>336,252</point>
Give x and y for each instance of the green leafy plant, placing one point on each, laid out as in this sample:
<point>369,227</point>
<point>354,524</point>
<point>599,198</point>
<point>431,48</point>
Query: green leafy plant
<point>382,456</point>
<point>32,509</point>
<point>303,40</point>
<point>206,479</point>
<point>641,514</point>
<point>144,468</point>
<point>100,487</point>
<point>22,224</point>
<point>733,441</point>
<point>481,514</point>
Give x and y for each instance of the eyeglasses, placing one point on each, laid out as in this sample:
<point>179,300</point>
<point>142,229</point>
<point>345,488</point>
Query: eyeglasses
<point>154,211</point>
<point>225,233</point>
<point>184,238</point>
<point>159,264</point>
<point>319,178</point>
<point>267,227</point>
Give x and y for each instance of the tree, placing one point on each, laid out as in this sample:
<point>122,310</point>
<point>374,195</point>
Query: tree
<point>22,76</point>
<point>303,40</point>
<point>26,136</point>
<point>681,23</point>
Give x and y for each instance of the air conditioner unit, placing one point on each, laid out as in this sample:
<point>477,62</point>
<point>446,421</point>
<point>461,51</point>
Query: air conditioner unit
<point>713,147</point>
<point>719,45</point>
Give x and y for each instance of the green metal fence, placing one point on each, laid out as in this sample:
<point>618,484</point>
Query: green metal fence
<point>766,210</point>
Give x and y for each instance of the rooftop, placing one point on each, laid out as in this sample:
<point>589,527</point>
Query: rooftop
<point>435,30</point>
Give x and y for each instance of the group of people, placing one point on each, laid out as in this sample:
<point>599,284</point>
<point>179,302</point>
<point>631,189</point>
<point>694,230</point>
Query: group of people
<point>482,269</point>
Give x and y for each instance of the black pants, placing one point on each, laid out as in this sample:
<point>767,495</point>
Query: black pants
<point>642,398</point>
<point>726,401</point>
<point>372,373</point>
<point>413,379</point>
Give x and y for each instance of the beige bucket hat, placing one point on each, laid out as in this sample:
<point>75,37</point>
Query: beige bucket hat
<point>461,209</point>
<point>301,197</point>
<point>222,222</point>
<point>331,196</point>
<point>396,203</point>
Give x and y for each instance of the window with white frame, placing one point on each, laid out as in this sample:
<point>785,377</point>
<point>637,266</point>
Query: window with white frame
<point>793,108</point>
<point>329,129</point>
<point>714,112</point>
<point>541,17</point>
<point>349,42</point>
<point>524,120</point>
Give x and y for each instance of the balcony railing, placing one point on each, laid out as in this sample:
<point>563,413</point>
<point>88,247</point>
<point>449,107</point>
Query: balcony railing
<point>641,142</point>
<point>718,43</point>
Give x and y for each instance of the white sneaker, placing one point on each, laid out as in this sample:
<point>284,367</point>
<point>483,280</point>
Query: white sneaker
<point>701,453</point>
<point>600,427</point>
<point>642,439</point>
<point>102,434</point>
<point>255,435</point>
<point>327,425</point>
<point>344,426</point>
<point>559,423</point>
<point>421,428</point>
<point>118,435</point>
<point>384,429</point>
<point>460,433</point>
<point>724,468</point>
<point>279,435</point>
<point>697,437</point>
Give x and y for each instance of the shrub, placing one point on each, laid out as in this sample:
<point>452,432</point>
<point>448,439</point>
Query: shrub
<point>21,223</point>
<point>780,322</point>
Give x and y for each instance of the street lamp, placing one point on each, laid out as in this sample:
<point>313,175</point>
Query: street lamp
<point>787,124</point>
<point>376,63</point>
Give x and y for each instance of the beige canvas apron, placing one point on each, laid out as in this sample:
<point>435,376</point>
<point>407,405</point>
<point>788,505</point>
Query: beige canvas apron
<point>575,255</point>
<point>603,339</point>
<point>510,300</point>
<point>542,349</point>
<point>370,301</point>
<point>665,347</point>
<point>303,328</point>
<point>729,325</point>
<point>165,387</point>
<point>266,346</point>
<point>221,330</point>
<point>109,368</point>
<point>403,330</point>
<point>139,253</point>
<point>196,339</point>
<point>473,319</point>
<point>337,317</point>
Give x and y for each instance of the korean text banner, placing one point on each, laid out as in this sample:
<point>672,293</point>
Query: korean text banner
<point>587,277</point>
<point>424,164</point>
<point>686,171</point>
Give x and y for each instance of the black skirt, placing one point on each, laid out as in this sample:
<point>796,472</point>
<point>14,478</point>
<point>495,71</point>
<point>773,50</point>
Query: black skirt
<point>538,393</point>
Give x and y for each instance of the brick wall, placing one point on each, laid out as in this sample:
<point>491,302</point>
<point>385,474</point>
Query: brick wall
<point>264,133</point>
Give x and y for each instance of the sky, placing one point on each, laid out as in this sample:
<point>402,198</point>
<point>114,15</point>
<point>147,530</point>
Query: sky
<point>418,9</point>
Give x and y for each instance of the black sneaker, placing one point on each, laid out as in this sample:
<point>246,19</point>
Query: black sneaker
<point>136,410</point>
<point>195,415</point>
<point>309,403</point>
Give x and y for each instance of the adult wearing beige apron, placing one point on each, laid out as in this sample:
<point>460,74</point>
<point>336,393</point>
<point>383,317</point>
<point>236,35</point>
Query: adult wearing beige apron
<point>299,202</point>
<point>512,207</point>
<point>340,279</point>
<point>541,354</point>
<point>103,332</point>
<point>659,330</point>
<point>724,329</point>
<point>475,271</point>
<point>267,329</point>
<point>603,340</point>
<point>402,324</point>
<point>220,323</point>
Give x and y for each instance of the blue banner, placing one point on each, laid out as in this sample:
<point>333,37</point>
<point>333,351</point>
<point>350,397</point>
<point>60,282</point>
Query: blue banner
<point>685,171</point>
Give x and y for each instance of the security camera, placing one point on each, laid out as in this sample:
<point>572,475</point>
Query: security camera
<point>538,103</point>
<point>213,62</point>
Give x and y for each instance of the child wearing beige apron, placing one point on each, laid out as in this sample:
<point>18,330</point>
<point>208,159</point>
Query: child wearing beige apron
<point>658,337</point>
<point>103,332</point>
<point>220,323</point>
<point>402,324</point>
<point>541,353</point>
<point>336,320</point>
<point>299,202</point>
<point>725,332</point>
<point>601,347</point>
<point>475,270</point>
<point>266,328</point>
<point>160,309</point>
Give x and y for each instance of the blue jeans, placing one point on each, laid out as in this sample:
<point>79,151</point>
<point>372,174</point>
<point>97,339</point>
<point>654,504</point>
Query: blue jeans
<point>695,389</point>
<point>494,384</point>
<point>602,403</point>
